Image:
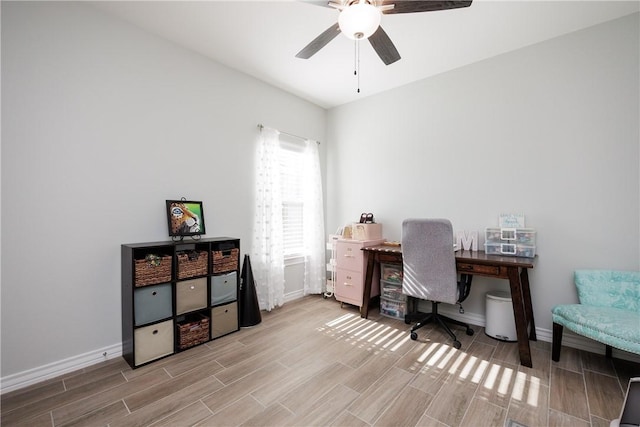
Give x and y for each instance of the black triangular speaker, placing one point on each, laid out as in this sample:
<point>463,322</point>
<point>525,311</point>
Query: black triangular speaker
<point>249,308</point>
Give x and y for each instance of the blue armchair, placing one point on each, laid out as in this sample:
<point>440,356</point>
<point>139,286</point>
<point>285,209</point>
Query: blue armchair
<point>609,311</point>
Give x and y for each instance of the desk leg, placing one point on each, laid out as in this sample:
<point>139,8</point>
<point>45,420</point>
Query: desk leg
<point>520,316</point>
<point>368,278</point>
<point>528,306</point>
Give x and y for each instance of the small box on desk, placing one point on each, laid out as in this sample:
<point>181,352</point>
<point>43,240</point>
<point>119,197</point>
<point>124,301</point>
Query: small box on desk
<point>366,231</point>
<point>511,249</point>
<point>519,242</point>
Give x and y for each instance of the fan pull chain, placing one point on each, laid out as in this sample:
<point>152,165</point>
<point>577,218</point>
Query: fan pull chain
<point>358,66</point>
<point>355,57</point>
<point>356,61</point>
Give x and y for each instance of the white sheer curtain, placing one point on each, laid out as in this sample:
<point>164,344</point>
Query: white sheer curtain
<point>313,219</point>
<point>267,252</point>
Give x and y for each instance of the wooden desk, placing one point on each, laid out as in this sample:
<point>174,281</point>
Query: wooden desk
<point>476,263</point>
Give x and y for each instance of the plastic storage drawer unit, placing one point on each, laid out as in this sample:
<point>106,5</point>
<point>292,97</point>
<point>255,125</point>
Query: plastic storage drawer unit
<point>519,242</point>
<point>395,309</point>
<point>512,249</point>
<point>391,273</point>
<point>392,292</point>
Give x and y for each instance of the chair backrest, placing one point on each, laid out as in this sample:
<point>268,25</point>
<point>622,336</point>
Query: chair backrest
<point>429,262</point>
<point>609,288</point>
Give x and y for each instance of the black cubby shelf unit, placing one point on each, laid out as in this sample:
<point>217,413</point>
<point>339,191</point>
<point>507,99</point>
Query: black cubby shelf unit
<point>176,295</point>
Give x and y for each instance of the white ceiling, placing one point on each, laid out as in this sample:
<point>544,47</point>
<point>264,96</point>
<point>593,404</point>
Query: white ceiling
<point>261,38</point>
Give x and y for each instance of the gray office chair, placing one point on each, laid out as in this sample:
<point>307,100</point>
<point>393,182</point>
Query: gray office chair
<point>429,265</point>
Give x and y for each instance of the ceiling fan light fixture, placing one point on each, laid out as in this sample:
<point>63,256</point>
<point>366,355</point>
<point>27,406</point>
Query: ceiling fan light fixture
<point>359,20</point>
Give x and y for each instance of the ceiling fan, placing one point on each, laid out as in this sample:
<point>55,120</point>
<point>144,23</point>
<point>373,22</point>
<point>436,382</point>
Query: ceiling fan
<point>360,19</point>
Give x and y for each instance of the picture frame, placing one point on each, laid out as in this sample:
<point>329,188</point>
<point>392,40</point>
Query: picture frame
<point>185,218</point>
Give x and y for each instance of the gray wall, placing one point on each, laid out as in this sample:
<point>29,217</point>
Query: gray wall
<point>101,122</point>
<point>550,131</point>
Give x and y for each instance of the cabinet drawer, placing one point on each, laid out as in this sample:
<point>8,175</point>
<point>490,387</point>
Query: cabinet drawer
<point>349,255</point>
<point>391,291</point>
<point>391,273</point>
<point>478,269</point>
<point>152,303</point>
<point>153,342</point>
<point>191,295</point>
<point>224,288</point>
<point>395,309</point>
<point>349,286</point>
<point>224,319</point>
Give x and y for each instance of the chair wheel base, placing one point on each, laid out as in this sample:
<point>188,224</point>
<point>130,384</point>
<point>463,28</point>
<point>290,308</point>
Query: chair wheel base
<point>414,336</point>
<point>457,345</point>
<point>469,331</point>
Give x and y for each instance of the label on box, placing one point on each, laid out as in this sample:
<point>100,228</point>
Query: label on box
<point>511,220</point>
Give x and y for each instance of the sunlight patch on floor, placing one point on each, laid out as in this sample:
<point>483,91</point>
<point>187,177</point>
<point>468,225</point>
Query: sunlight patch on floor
<point>505,380</point>
<point>445,360</point>
<point>491,375</point>
<point>518,387</point>
<point>427,352</point>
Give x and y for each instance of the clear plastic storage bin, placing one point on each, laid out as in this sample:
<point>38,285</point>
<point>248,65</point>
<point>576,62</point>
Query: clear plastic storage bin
<point>393,292</point>
<point>512,249</point>
<point>510,241</point>
<point>391,273</point>
<point>524,236</point>
<point>395,309</point>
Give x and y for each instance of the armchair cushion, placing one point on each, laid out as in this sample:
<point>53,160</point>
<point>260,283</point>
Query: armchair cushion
<point>611,326</point>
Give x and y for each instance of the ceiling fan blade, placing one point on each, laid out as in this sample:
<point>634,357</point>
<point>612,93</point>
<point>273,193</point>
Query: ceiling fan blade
<point>384,47</point>
<point>324,3</point>
<point>410,6</point>
<point>319,42</point>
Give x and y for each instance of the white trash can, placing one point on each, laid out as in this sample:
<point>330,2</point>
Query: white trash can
<point>500,323</point>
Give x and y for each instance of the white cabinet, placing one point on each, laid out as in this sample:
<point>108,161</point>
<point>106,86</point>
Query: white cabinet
<point>351,267</point>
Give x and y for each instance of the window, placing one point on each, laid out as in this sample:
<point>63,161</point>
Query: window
<point>292,180</point>
<point>289,226</point>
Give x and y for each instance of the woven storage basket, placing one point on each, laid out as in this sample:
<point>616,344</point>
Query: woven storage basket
<point>152,269</point>
<point>194,331</point>
<point>192,264</point>
<point>224,261</point>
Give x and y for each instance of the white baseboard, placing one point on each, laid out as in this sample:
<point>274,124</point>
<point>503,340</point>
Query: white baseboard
<point>52,370</point>
<point>55,369</point>
<point>292,296</point>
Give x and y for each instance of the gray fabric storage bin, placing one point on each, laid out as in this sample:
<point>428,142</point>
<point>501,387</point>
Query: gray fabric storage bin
<point>224,288</point>
<point>152,303</point>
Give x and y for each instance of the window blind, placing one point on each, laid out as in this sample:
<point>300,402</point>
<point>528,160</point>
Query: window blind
<point>291,178</point>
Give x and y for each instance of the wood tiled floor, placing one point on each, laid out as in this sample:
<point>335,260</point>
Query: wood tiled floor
<point>315,363</point>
